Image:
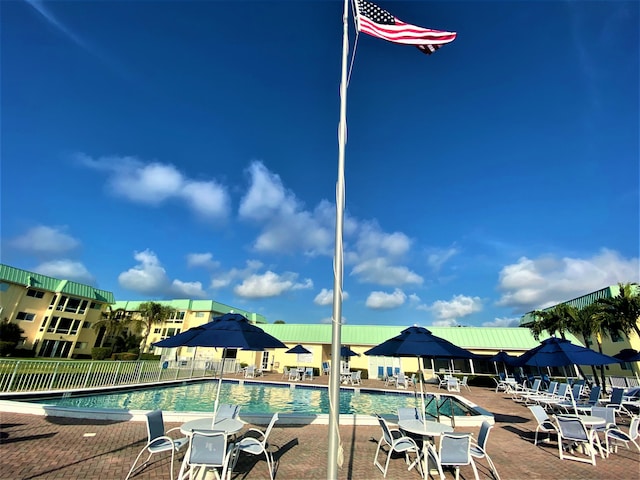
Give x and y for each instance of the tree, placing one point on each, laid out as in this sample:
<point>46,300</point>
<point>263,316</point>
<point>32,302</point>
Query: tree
<point>10,332</point>
<point>553,320</point>
<point>587,322</point>
<point>623,310</point>
<point>279,322</point>
<point>151,313</point>
<point>127,342</point>
<point>112,321</point>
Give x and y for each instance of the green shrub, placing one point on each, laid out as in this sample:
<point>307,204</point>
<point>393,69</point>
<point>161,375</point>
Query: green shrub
<point>100,353</point>
<point>7,348</point>
<point>147,356</point>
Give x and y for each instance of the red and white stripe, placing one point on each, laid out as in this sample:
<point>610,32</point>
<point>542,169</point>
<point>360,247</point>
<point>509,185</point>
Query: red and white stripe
<point>405,33</point>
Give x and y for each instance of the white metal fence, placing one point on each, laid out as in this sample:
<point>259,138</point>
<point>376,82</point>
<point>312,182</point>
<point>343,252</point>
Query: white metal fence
<point>42,376</point>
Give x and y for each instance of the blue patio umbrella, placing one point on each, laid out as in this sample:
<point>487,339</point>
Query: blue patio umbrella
<point>628,355</point>
<point>420,343</point>
<point>504,358</point>
<point>230,330</point>
<point>559,352</point>
<point>345,351</point>
<point>298,349</point>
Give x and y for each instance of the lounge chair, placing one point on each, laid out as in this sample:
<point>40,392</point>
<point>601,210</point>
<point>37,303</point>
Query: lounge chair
<point>401,380</point>
<point>158,441</point>
<point>326,368</point>
<point>255,446</point>
<point>208,449</point>
<point>453,385</point>
<point>226,410</point>
<point>395,441</point>
<point>617,401</point>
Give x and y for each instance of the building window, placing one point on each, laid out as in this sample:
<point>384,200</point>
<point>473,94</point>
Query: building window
<point>156,330</point>
<point>81,345</point>
<point>25,316</point>
<point>86,324</point>
<point>4,286</point>
<point>615,336</point>
<point>72,306</point>
<point>53,301</point>
<point>35,293</point>
<point>94,306</point>
<point>44,324</point>
<point>75,327</point>
<point>199,314</point>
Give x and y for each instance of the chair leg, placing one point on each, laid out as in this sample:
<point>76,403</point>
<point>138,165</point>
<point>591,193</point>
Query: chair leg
<point>494,472</point>
<point>475,469</point>
<point>133,467</point>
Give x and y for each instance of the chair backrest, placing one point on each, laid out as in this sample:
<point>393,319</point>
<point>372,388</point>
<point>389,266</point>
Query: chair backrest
<point>226,410</point>
<point>576,391</point>
<point>539,413</point>
<point>594,395</point>
<point>207,447</point>
<point>571,428</point>
<point>562,390</point>
<point>408,413</point>
<point>616,396</point>
<point>483,436</point>
<point>455,448</point>
<point>273,421</point>
<point>502,376</point>
<point>309,371</point>
<point>608,413</point>
<point>386,433</point>
<point>464,380</point>
<point>325,367</point>
<point>536,385</point>
<point>155,425</point>
<point>402,381</point>
<point>553,386</point>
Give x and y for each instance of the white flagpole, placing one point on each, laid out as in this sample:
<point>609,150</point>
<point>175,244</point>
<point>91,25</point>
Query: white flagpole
<point>334,457</point>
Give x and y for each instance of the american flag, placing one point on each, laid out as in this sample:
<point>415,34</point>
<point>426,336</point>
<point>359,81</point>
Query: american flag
<point>379,23</point>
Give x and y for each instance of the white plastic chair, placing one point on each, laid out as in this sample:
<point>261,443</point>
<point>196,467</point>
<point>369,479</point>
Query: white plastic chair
<point>158,441</point>
<point>479,449</point>
<point>464,382</point>
<point>308,373</point>
<point>255,446</point>
<point>615,435</point>
<point>544,422</point>
<point>395,441</point>
<point>455,451</point>
<point>572,433</point>
<point>208,450</point>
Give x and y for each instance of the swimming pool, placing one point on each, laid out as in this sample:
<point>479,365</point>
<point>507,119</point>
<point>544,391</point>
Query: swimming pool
<point>262,398</point>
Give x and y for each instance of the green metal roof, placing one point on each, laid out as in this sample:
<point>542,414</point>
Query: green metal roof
<point>193,306</point>
<point>43,282</point>
<point>476,338</point>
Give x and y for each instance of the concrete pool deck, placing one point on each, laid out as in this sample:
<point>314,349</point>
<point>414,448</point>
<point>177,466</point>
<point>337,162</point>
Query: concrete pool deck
<point>48,447</point>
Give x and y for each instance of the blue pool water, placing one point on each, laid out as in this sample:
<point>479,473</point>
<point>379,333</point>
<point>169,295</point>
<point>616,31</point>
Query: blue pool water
<point>256,399</point>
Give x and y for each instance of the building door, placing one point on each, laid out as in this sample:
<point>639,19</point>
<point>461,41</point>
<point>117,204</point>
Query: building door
<point>264,364</point>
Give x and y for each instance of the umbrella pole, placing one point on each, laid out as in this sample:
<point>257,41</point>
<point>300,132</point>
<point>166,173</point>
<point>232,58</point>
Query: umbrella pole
<point>217,401</point>
<point>423,413</point>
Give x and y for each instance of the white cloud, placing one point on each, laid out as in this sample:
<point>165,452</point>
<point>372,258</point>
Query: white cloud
<point>154,183</point>
<point>66,269</point>
<point>286,226</point>
<point>224,279</point>
<point>437,257</point>
<point>148,277</point>
<point>187,289</point>
<point>448,312</point>
<point>329,320</point>
<point>503,322</point>
<point>47,240</point>
<point>204,260</point>
<point>385,301</point>
<point>325,297</point>
<point>270,284</point>
<point>381,272</point>
<point>530,284</point>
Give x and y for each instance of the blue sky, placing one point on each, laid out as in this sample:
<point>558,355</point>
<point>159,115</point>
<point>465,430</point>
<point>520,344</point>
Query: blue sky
<point>189,150</point>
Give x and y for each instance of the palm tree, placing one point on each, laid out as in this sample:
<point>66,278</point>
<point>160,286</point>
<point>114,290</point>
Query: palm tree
<point>623,310</point>
<point>112,321</point>
<point>553,320</point>
<point>150,313</point>
<point>587,322</point>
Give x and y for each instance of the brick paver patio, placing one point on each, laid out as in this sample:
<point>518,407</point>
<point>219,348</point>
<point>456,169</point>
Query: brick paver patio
<point>36,447</point>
